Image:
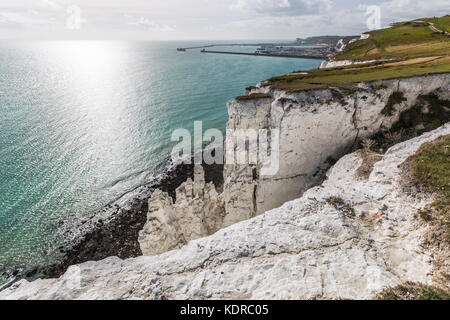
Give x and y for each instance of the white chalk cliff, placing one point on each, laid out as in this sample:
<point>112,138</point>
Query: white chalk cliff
<point>308,248</point>
<point>341,63</point>
<point>197,212</point>
<point>331,63</point>
<point>280,236</point>
<point>314,127</point>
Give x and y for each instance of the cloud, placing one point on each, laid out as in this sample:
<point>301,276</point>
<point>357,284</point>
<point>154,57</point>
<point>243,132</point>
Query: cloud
<point>205,19</point>
<point>151,25</point>
<point>13,18</point>
<point>51,4</point>
<point>347,22</point>
<point>22,14</point>
<point>398,10</point>
<point>411,7</point>
<point>283,7</point>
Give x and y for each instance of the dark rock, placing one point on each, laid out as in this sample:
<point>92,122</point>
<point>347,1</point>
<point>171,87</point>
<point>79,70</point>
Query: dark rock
<point>118,236</point>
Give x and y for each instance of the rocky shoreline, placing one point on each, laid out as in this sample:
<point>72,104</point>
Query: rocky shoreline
<point>352,237</point>
<point>113,230</point>
<point>335,122</point>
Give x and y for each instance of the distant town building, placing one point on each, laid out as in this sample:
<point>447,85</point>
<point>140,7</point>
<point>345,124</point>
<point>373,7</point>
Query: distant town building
<point>264,49</point>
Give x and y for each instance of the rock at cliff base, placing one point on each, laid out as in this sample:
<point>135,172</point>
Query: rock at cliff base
<point>197,212</point>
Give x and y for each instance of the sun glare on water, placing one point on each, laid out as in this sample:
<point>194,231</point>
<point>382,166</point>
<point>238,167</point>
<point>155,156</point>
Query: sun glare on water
<point>96,90</point>
<point>91,62</point>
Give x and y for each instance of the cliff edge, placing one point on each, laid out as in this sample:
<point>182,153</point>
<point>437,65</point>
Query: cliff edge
<point>359,204</point>
<point>351,237</point>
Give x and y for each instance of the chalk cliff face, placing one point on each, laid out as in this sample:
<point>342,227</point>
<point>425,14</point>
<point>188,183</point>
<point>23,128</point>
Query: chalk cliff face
<point>316,127</point>
<point>350,237</point>
<point>197,212</point>
<point>341,63</point>
<point>240,185</point>
<point>347,238</point>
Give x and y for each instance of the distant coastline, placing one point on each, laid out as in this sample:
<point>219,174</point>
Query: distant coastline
<point>310,48</point>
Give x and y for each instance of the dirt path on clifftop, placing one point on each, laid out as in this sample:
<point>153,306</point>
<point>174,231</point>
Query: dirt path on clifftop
<point>434,29</point>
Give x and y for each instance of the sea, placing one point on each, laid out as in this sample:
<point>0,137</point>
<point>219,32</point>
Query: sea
<point>84,122</point>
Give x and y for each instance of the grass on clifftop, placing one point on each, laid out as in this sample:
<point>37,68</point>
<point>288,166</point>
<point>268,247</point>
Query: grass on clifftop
<point>254,96</point>
<point>430,167</point>
<point>347,77</point>
<point>442,23</point>
<point>403,40</point>
<point>406,49</point>
<point>413,291</point>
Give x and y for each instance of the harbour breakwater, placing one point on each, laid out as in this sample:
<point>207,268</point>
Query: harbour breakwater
<point>282,55</point>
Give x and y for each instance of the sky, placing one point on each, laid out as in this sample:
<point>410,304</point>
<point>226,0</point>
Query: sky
<point>203,19</point>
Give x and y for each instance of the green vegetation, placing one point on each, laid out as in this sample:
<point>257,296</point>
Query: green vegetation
<point>394,99</point>
<point>406,49</point>
<point>347,77</point>
<point>428,114</point>
<point>442,23</point>
<point>430,111</point>
<point>284,100</point>
<point>340,204</point>
<point>254,96</point>
<point>403,40</point>
<point>430,168</point>
<point>413,291</point>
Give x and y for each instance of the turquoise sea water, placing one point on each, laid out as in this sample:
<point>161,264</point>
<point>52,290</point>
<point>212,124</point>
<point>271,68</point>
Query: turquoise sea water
<point>82,122</point>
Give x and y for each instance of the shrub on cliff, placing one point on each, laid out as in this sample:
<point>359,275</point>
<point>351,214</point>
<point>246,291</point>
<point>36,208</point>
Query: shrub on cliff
<point>430,168</point>
<point>413,291</point>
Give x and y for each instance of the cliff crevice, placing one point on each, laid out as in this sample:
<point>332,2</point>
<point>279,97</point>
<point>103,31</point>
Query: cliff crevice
<point>348,238</point>
<point>315,128</point>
